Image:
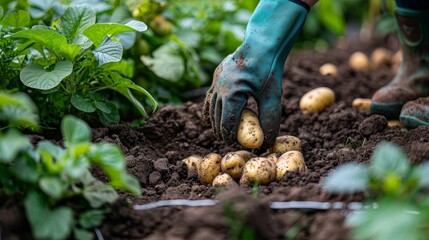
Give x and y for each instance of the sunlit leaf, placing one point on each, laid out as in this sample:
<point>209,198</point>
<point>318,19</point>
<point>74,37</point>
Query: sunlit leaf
<point>16,19</point>
<point>75,130</point>
<point>46,37</point>
<point>97,32</point>
<point>75,19</point>
<point>36,76</point>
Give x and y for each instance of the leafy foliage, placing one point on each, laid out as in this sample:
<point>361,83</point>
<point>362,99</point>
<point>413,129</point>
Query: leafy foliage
<point>50,177</point>
<point>398,189</point>
<point>64,62</point>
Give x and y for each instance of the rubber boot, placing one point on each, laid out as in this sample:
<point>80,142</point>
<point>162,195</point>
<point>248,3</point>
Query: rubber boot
<point>415,113</point>
<point>412,79</point>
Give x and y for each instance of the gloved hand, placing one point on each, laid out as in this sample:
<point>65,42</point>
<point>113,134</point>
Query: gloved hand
<point>256,69</point>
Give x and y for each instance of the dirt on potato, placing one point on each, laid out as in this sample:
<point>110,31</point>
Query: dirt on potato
<point>338,135</point>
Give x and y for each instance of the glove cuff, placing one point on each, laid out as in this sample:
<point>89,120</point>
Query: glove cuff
<point>303,4</point>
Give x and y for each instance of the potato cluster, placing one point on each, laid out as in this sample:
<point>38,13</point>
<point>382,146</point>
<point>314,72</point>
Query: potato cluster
<point>245,168</point>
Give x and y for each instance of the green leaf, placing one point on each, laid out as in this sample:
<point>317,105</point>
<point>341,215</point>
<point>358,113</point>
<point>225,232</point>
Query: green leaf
<point>108,118</point>
<point>348,178</point>
<point>25,167</point>
<point>92,218</point>
<point>332,16</point>
<point>38,8</point>
<point>76,19</point>
<point>16,19</point>
<point>125,68</point>
<point>108,51</point>
<point>102,106</point>
<point>98,194</point>
<point>47,223</point>
<point>11,144</point>
<point>95,96</point>
<point>391,220</point>
<point>81,234</point>
<point>46,37</point>
<point>19,117</point>
<point>97,32</point>
<point>50,148</point>
<point>52,186</point>
<point>1,12</point>
<point>35,76</point>
<point>166,63</point>
<point>83,103</point>
<point>75,131</point>
<point>70,51</point>
<point>387,159</point>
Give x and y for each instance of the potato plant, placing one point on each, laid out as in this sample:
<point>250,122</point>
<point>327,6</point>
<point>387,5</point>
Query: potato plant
<point>46,176</point>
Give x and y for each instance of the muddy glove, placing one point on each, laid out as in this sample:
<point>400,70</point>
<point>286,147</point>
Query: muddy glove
<point>256,69</point>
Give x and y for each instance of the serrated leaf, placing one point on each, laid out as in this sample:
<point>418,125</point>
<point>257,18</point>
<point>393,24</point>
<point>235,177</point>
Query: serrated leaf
<point>387,159</point>
<point>98,194</point>
<point>16,19</point>
<point>47,223</point>
<point>83,103</point>
<point>166,63</point>
<point>52,186</point>
<point>76,19</point>
<point>46,37</point>
<point>35,76</point>
<point>97,32</point>
<point>75,131</point>
<point>108,51</point>
<point>348,178</point>
<point>10,145</point>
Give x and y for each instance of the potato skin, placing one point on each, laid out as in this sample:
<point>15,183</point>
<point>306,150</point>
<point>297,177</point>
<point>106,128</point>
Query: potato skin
<point>328,69</point>
<point>316,100</point>
<point>209,168</point>
<point>362,103</point>
<point>224,180</point>
<point>380,56</point>
<point>258,170</point>
<point>289,162</point>
<point>193,162</point>
<point>286,143</point>
<point>232,163</point>
<point>359,61</point>
<point>249,132</point>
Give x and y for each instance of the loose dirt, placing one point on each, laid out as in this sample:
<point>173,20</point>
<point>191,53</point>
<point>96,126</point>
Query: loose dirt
<point>338,135</point>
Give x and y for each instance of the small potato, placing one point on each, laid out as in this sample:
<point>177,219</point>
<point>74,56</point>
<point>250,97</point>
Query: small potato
<point>209,168</point>
<point>380,56</point>
<point>394,123</point>
<point>362,103</point>
<point>224,180</point>
<point>359,61</point>
<point>286,143</point>
<point>258,170</point>
<point>317,100</point>
<point>193,162</point>
<point>289,162</point>
<point>232,163</point>
<point>328,69</point>
<point>249,133</point>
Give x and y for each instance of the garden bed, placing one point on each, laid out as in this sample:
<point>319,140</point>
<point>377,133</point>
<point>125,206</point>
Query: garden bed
<point>339,135</point>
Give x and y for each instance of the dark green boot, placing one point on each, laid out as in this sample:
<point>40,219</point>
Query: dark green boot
<point>415,113</point>
<point>412,79</point>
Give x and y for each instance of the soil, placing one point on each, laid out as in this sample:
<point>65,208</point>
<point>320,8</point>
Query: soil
<point>338,135</point>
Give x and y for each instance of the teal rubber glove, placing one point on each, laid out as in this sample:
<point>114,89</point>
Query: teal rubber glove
<point>256,69</point>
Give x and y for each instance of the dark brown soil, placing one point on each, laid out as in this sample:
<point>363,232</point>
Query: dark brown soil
<point>336,136</point>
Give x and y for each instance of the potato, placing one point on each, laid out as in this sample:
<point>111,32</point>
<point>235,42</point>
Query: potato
<point>317,100</point>
<point>359,61</point>
<point>328,69</point>
<point>258,170</point>
<point>249,133</point>
<point>286,143</point>
<point>288,162</point>
<point>193,162</point>
<point>380,56</point>
<point>209,168</point>
<point>273,157</point>
<point>224,180</point>
<point>362,103</point>
<point>394,123</point>
<point>232,163</point>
